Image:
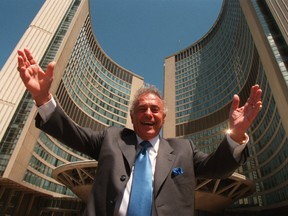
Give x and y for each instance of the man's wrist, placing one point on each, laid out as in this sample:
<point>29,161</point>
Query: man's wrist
<point>47,109</point>
<point>240,138</point>
<point>42,99</point>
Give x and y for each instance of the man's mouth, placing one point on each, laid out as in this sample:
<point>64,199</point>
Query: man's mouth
<point>148,123</point>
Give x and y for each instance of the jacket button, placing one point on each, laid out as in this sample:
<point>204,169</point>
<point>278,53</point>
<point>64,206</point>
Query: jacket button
<point>123,178</point>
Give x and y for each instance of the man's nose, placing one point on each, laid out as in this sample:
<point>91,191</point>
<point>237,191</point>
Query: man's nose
<point>148,111</point>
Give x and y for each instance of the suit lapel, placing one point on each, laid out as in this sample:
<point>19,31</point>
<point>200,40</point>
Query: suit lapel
<point>164,163</point>
<point>128,147</point>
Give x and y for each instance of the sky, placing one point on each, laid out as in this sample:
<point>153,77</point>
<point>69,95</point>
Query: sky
<point>136,34</point>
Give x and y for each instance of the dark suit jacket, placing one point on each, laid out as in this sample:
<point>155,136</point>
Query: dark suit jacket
<point>114,149</point>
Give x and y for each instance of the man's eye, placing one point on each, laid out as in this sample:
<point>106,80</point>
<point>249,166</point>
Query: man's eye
<point>142,109</point>
<point>155,110</point>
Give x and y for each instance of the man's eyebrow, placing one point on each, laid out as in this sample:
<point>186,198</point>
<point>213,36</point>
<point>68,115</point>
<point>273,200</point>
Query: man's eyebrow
<point>155,106</point>
<point>146,105</point>
<point>142,105</point>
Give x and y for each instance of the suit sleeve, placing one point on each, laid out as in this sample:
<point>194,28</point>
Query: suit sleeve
<point>217,165</point>
<point>61,127</point>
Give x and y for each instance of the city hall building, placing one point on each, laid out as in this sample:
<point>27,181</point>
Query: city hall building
<point>246,45</point>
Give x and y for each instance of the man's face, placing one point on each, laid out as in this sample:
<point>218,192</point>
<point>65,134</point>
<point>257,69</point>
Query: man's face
<point>148,117</point>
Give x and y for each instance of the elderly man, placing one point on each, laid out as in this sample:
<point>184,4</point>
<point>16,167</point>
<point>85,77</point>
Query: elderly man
<point>140,173</point>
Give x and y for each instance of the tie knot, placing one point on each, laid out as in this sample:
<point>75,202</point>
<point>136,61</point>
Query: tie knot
<point>145,144</point>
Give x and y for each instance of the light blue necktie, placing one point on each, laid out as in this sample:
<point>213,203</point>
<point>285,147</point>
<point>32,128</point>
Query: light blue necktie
<point>140,203</point>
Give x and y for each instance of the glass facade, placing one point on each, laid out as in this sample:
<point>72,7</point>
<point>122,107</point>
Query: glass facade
<point>274,37</point>
<point>12,134</point>
<point>208,73</point>
<point>94,91</point>
<point>47,155</point>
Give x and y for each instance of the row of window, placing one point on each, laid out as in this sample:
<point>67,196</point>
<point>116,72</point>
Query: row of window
<point>14,130</point>
<point>272,33</point>
<point>86,37</point>
<point>208,140</point>
<point>80,113</point>
<point>36,180</point>
<point>61,152</point>
<point>91,85</point>
<point>94,104</point>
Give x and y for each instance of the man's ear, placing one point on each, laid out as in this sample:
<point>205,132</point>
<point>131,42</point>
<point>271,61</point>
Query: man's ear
<point>164,116</point>
<point>131,118</point>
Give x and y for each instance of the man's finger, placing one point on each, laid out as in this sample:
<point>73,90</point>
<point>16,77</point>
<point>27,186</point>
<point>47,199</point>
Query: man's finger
<point>254,92</point>
<point>235,102</point>
<point>20,64</point>
<point>29,56</point>
<point>258,95</point>
<point>50,70</point>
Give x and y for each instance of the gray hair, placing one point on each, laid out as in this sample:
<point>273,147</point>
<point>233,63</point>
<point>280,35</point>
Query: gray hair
<point>145,89</point>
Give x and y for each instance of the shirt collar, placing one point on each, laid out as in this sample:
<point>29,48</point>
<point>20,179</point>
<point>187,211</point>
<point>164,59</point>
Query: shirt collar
<point>154,142</point>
